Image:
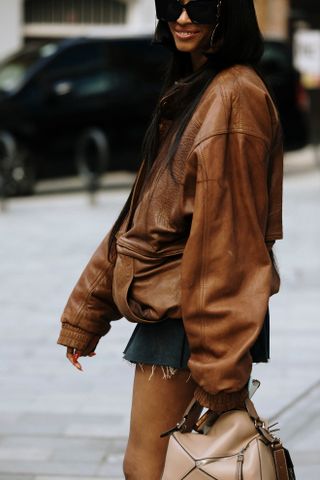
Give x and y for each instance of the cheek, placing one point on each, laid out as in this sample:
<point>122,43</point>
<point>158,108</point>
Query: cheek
<point>206,31</point>
<point>171,26</point>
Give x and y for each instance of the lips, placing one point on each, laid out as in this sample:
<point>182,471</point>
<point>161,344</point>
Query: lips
<point>185,34</point>
<point>180,30</point>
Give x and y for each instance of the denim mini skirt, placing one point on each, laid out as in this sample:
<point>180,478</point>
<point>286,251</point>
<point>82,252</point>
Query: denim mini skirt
<point>166,344</point>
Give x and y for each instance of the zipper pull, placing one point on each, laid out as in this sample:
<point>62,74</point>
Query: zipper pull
<point>240,461</point>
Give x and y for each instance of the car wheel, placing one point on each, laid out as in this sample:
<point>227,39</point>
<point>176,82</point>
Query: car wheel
<point>16,167</point>
<point>92,153</point>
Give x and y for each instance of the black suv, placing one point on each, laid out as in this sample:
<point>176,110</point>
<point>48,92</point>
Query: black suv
<point>290,97</point>
<point>81,105</point>
<point>68,104</point>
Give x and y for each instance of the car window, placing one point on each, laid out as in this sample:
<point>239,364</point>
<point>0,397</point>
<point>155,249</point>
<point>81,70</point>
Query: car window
<point>14,70</point>
<point>78,56</point>
<point>130,67</point>
<point>12,75</point>
<point>95,84</point>
<point>139,57</point>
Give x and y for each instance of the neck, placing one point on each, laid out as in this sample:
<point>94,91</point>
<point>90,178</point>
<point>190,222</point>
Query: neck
<point>197,60</point>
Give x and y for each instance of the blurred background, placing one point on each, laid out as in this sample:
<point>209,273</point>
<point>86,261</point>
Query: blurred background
<point>78,82</point>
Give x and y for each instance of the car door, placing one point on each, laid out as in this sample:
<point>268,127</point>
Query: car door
<point>75,88</point>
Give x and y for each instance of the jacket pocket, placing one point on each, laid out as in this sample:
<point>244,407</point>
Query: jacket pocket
<point>147,289</point>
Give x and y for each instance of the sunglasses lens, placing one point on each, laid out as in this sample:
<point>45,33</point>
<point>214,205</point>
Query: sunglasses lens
<point>168,10</point>
<point>174,11</point>
<point>202,11</point>
<point>199,11</point>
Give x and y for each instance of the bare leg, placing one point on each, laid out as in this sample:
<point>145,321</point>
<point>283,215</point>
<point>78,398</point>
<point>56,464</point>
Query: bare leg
<point>157,405</point>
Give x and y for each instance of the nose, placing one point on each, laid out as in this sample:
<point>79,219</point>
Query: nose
<point>184,18</point>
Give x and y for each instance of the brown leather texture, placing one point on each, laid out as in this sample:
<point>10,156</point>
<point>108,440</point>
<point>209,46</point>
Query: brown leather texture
<point>281,464</point>
<point>231,450</point>
<point>196,244</point>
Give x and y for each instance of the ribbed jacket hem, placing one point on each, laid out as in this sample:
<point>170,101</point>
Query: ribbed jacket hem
<point>221,402</point>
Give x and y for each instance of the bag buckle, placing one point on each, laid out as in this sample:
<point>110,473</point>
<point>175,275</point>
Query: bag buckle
<point>258,423</point>
<point>180,427</point>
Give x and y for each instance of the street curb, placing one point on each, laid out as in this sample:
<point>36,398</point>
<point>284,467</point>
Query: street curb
<point>302,161</point>
<point>297,162</point>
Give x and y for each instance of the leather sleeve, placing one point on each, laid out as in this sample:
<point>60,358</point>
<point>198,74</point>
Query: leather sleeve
<point>227,274</point>
<point>90,307</point>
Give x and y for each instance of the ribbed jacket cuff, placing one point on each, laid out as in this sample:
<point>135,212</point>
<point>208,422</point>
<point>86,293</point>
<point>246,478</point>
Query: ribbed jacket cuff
<point>221,402</point>
<point>75,337</point>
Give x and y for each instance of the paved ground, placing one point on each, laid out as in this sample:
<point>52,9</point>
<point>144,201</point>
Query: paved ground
<point>60,424</point>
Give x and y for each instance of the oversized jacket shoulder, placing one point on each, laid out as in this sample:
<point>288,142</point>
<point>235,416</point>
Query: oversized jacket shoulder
<point>227,274</point>
<point>237,100</point>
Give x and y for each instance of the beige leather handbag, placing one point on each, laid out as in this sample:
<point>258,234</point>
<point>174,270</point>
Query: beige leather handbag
<point>237,445</point>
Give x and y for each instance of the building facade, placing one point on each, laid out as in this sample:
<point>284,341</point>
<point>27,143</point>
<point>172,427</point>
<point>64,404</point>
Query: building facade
<point>98,18</point>
<point>22,20</point>
<point>10,26</point>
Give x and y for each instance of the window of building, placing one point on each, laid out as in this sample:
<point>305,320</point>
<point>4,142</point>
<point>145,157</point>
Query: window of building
<point>97,12</point>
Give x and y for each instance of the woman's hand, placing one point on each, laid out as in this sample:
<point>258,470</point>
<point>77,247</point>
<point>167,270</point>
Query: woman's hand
<point>73,354</point>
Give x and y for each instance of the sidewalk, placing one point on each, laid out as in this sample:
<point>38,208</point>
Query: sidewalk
<point>57,423</point>
<point>303,161</point>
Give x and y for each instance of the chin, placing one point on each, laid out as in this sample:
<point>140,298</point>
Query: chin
<point>186,48</point>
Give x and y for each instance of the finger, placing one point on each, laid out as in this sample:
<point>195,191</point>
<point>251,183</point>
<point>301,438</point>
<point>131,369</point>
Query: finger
<point>76,355</point>
<point>74,361</point>
<point>92,354</point>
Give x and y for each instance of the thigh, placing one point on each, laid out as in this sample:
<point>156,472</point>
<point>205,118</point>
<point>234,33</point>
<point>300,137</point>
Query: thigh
<point>157,405</point>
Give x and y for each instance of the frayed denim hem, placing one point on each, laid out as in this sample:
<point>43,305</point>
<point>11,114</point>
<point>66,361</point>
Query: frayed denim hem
<point>167,371</point>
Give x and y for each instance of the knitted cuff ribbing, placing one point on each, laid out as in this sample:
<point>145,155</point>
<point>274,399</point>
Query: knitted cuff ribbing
<point>75,337</point>
<point>221,402</point>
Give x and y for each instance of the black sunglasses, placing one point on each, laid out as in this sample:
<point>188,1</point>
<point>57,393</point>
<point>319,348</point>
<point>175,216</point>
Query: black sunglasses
<point>199,11</point>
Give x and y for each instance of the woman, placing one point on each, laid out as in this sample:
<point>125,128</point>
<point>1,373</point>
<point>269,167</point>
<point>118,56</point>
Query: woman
<point>190,257</point>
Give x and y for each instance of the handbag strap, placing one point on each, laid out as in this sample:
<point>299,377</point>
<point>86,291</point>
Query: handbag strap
<point>183,424</point>
<point>260,424</point>
<point>249,407</point>
<point>252,412</point>
<point>282,460</point>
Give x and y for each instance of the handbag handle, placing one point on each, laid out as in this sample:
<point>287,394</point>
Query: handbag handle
<point>183,425</point>
<point>260,424</point>
<point>190,408</point>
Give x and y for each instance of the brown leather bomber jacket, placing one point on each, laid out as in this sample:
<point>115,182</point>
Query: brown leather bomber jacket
<point>196,244</point>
